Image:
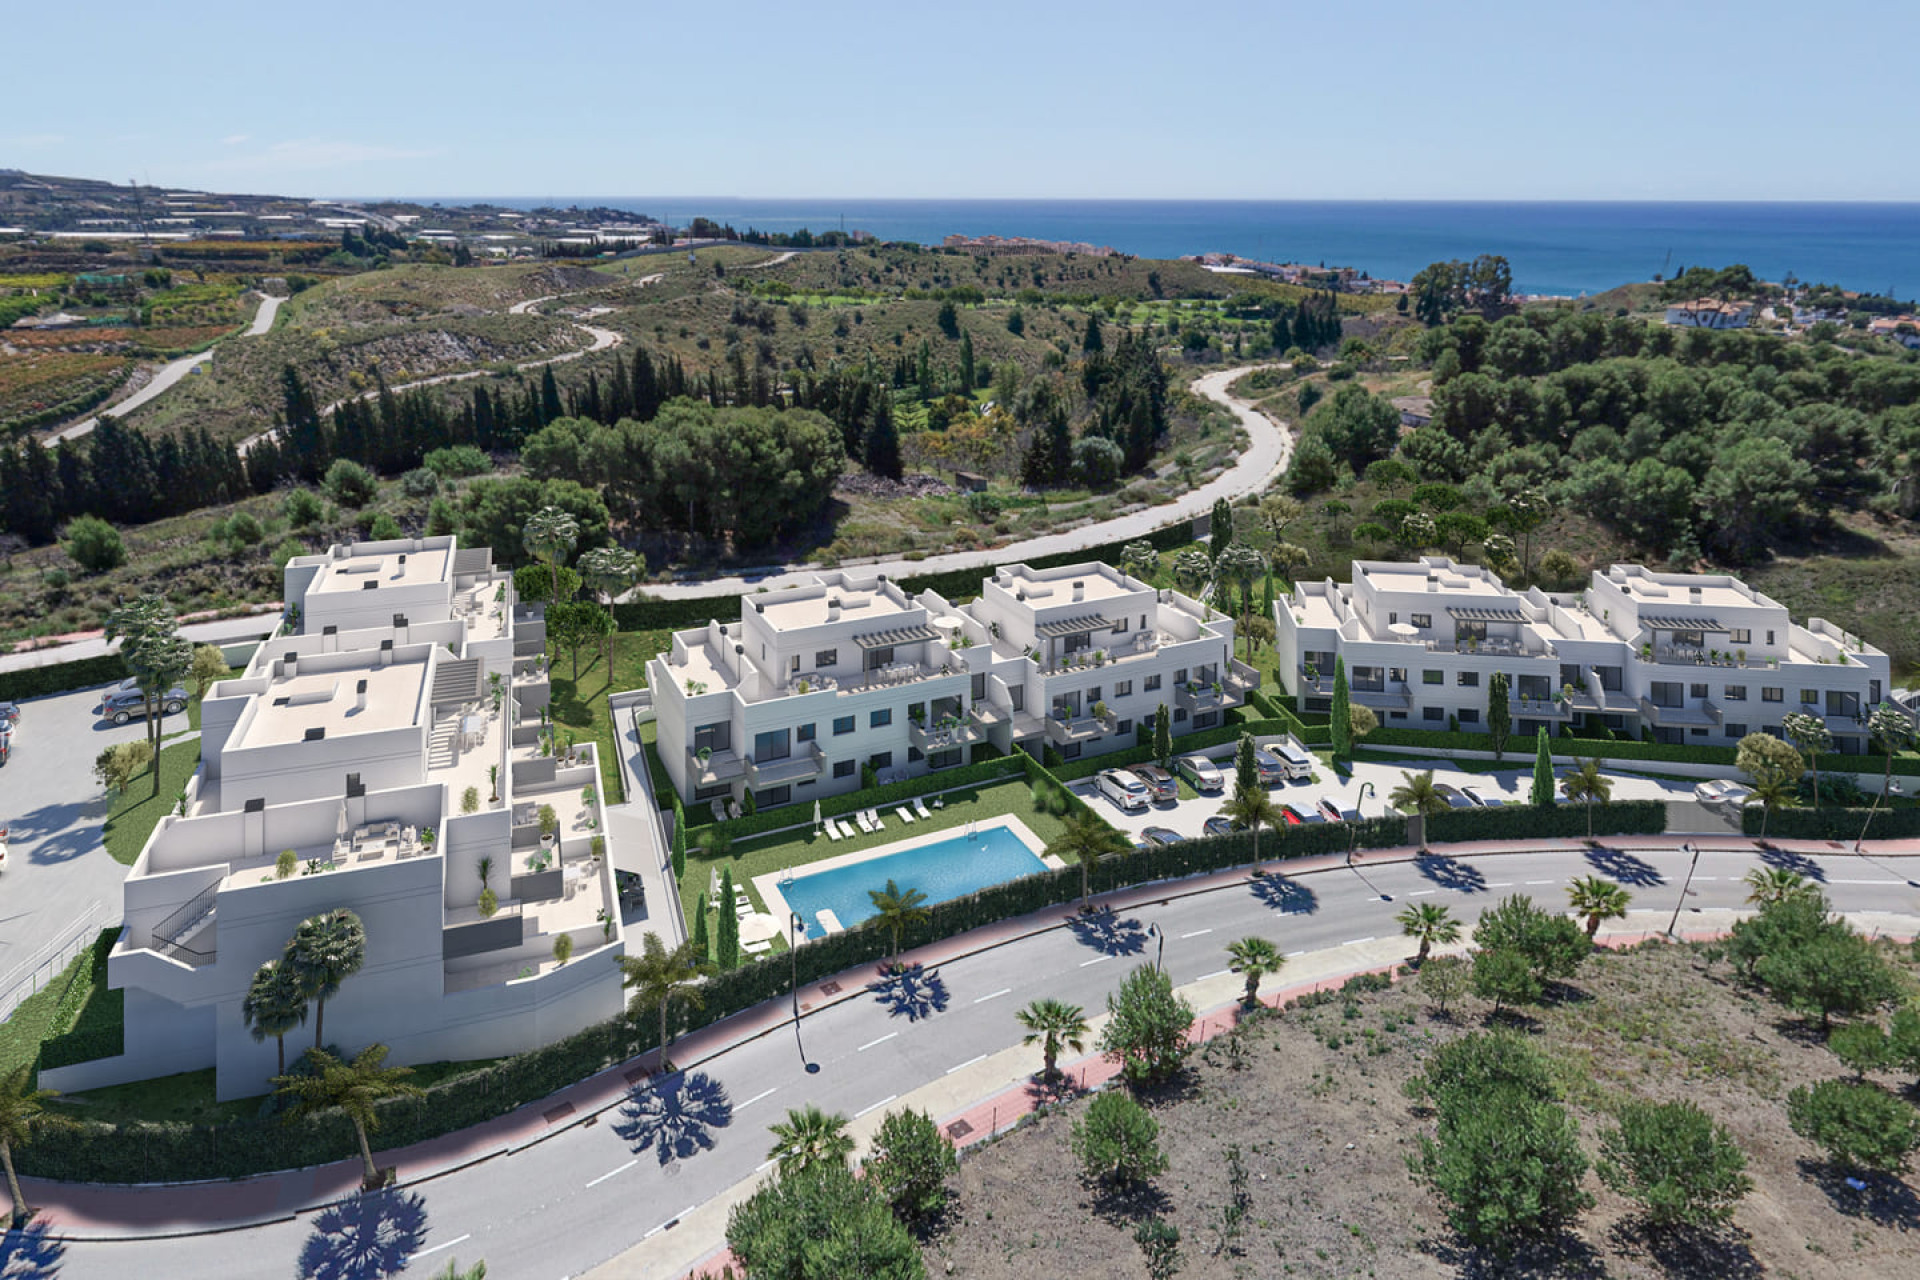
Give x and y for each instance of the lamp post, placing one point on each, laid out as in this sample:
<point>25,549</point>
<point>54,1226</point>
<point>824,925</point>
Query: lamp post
<point>1160,950</point>
<point>796,930</point>
<point>1672,924</point>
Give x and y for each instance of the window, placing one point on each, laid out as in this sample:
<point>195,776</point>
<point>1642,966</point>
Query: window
<point>1769,637</point>
<point>1469,715</point>
<point>881,718</point>
<point>1206,720</point>
<point>1422,620</point>
<point>878,658</point>
<point>775,744</point>
<point>804,733</point>
<point>1696,691</point>
<point>1740,636</point>
<point>842,724</point>
<point>713,737</point>
<point>1093,695</point>
<point>793,663</point>
<point>1180,677</point>
<point>1736,730</point>
<point>1150,684</point>
<point>1126,726</point>
<point>1392,618</point>
<point>1179,715</point>
<point>1768,694</point>
<point>1735,692</point>
<point>978,688</point>
<point>881,760</point>
<point>1433,677</point>
<point>1468,679</point>
<point>1123,688</point>
<point>1070,752</point>
<point>721,792</point>
<point>843,768</point>
<point>1017,697</point>
<point>1396,715</point>
<point>826,657</point>
<point>1119,626</point>
<point>944,759</point>
<point>914,756</point>
<point>1808,697</point>
<point>772,796</point>
<point>1433,713</point>
<point>1699,733</point>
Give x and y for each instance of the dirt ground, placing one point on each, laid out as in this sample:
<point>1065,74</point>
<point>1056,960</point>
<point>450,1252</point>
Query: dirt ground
<point>1312,1100</point>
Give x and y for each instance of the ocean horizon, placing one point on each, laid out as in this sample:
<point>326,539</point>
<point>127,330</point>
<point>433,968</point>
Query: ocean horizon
<point>1555,247</point>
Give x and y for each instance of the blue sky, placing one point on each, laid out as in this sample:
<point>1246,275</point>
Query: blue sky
<point>1696,99</point>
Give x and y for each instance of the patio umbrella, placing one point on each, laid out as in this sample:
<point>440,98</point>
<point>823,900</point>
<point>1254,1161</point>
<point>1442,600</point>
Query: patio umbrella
<point>340,823</point>
<point>816,815</point>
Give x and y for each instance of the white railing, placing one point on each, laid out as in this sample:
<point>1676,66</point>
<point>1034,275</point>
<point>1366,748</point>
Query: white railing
<point>45,964</point>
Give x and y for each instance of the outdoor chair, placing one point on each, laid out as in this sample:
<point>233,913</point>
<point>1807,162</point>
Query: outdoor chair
<point>832,830</point>
<point>846,830</point>
<point>920,807</point>
<point>905,816</point>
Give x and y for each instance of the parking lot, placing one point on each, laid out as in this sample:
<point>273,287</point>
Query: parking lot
<point>1365,788</point>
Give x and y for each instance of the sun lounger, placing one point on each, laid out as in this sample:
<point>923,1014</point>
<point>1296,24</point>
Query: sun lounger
<point>719,814</point>
<point>905,816</point>
<point>846,829</point>
<point>756,948</point>
<point>866,823</point>
<point>879,823</point>
<point>920,807</point>
<point>832,829</point>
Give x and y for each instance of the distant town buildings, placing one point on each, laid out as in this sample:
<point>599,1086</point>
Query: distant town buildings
<point>1902,329</point>
<point>1709,313</point>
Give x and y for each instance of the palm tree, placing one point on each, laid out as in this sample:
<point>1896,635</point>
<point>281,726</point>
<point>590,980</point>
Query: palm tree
<point>1085,839</point>
<point>1597,899</point>
<point>1890,725</point>
<point>897,909</point>
<point>1256,958</point>
<point>1242,564</point>
<point>1252,807</point>
<point>1054,1023</point>
<point>657,975</point>
<point>23,1116</point>
<point>1774,791</point>
<point>1586,783</point>
<point>610,571</point>
<point>1430,923</point>
<point>1416,794</point>
<point>326,950</point>
<point>355,1087</point>
<point>1769,885</point>
<point>1809,733</point>
<point>809,1138</point>
<point>549,534</point>
<point>274,1005</point>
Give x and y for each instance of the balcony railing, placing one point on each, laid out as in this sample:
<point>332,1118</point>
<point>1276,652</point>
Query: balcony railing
<point>808,763</point>
<point>1063,732</point>
<point>721,766</point>
<point>948,732</point>
<point>1194,696</point>
<point>1541,708</point>
<point>1706,714</point>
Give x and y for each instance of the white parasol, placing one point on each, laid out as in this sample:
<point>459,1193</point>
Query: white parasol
<point>816,815</point>
<point>1404,629</point>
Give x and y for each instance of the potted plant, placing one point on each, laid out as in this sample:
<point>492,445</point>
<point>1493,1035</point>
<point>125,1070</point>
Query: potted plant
<point>486,868</point>
<point>489,903</point>
<point>804,686</point>
<point>426,837</point>
<point>703,755</point>
<point>549,824</point>
<point>1311,672</point>
<point>605,918</point>
<point>598,848</point>
<point>284,865</point>
<point>1741,654</point>
<point>587,796</point>
<point>493,784</point>
<point>1099,711</point>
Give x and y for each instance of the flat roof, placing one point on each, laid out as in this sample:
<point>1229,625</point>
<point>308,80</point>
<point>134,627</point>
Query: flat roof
<point>292,705</point>
<point>389,569</point>
<point>1059,583</point>
<point>1412,578</point>
<point>857,607</point>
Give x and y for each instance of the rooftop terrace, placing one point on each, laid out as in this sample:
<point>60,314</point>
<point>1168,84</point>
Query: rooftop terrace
<point>293,706</point>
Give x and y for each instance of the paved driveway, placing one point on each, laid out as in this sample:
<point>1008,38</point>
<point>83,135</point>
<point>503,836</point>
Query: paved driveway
<point>56,864</point>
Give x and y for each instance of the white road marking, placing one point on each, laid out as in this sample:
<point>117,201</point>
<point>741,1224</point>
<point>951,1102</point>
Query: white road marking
<point>1704,879</point>
<point>1196,933</point>
<point>882,1040</point>
<point>969,1062</point>
<point>1423,893</point>
<point>1543,882</point>
<point>876,1106</point>
<point>1217,973</point>
<point>992,996</point>
<point>755,1098</point>
<point>1501,884</point>
<point>1292,954</point>
<point>421,1253</point>
<point>763,1166</point>
<point>1095,960</point>
<point>612,1173</point>
<point>1354,942</point>
<point>1866,882</point>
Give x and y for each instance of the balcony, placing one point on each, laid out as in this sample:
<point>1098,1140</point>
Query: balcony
<point>947,733</point>
<point>810,763</point>
<point>1065,732</point>
<point>893,677</point>
<point>1706,714</point>
<point>1242,679</point>
<point>1540,708</point>
<point>1394,695</point>
<point>1193,696</point>
<point>721,766</point>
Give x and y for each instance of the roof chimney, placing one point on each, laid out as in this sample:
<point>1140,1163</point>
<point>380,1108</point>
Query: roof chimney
<point>360,696</point>
<point>833,608</point>
<point>1079,592</point>
<point>386,653</point>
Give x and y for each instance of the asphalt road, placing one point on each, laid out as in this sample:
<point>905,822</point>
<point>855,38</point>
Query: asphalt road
<point>558,1208</point>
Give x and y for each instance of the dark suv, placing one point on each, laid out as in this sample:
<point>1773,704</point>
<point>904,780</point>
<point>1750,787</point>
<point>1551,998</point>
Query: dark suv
<point>125,701</point>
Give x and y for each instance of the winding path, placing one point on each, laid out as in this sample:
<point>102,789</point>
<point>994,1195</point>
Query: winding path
<point>636,1181</point>
<point>1269,450</point>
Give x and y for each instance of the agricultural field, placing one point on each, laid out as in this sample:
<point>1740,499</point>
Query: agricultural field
<point>43,386</point>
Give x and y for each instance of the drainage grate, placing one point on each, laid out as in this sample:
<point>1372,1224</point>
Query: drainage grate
<point>559,1113</point>
<point>829,988</point>
<point>959,1129</point>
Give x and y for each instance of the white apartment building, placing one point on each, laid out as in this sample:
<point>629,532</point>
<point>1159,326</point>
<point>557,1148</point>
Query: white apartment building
<point>409,686</point>
<point>1680,657</point>
<point>814,682</point>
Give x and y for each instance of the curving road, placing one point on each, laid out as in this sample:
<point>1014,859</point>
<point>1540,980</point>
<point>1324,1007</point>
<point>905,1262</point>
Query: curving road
<point>168,375</point>
<point>604,1195</point>
<point>1269,449</point>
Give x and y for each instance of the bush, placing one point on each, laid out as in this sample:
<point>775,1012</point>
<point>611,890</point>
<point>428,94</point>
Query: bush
<point>460,460</point>
<point>1118,1143</point>
<point>821,1222</point>
<point>92,1012</point>
<point>244,529</point>
<point>911,1163</point>
<point>1508,1166</point>
<point>1473,1066</point>
<point>1684,1169</point>
<point>421,482</point>
<point>1146,1031</point>
<point>1552,945</point>
<point>1833,824</point>
<point>120,764</point>
<point>59,677</point>
<point>385,528</point>
<point>1505,978</point>
<point>1857,1125</point>
<point>349,484</point>
<point>303,507</point>
<point>94,544</point>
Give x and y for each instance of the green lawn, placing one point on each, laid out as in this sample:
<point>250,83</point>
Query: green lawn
<point>764,854</point>
<point>56,1008</point>
<point>137,810</point>
<point>188,1098</point>
<point>580,704</point>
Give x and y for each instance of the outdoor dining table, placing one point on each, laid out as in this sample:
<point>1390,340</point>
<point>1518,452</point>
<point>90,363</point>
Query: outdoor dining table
<point>473,730</point>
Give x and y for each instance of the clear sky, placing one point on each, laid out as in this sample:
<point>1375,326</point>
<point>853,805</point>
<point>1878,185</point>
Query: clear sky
<point>1396,99</point>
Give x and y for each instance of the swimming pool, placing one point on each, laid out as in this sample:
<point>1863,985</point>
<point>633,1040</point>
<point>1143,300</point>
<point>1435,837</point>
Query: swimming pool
<point>951,868</point>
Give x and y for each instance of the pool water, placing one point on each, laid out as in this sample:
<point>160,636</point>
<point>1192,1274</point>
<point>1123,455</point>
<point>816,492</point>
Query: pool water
<point>950,869</point>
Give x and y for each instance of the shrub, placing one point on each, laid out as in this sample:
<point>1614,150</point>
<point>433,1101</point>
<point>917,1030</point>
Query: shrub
<point>1146,1031</point>
<point>1505,978</point>
<point>911,1163</point>
<point>94,544</point>
<point>244,529</point>
<point>286,864</point>
<point>1473,1066</point>
<point>822,1222</point>
<point>1857,1125</point>
<point>1684,1169</point>
<point>349,484</point>
<point>120,764</point>
<point>1834,971</point>
<point>562,948</point>
<point>1118,1142</point>
<point>470,800</point>
<point>1508,1167</point>
<point>489,902</point>
<point>421,482</point>
<point>460,460</point>
<point>1159,1242</point>
<point>385,528</point>
<point>1552,945</point>
<point>288,550</point>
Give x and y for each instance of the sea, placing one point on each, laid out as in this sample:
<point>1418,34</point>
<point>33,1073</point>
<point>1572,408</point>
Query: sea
<point>1554,248</point>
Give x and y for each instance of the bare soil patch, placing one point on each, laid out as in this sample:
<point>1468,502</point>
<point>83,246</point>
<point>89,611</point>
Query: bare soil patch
<point>1312,1100</point>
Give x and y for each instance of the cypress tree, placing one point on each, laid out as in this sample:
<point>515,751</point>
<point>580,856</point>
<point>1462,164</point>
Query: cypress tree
<point>701,947</point>
<point>1340,718</point>
<point>967,383</point>
<point>1542,770</point>
<point>679,853</point>
<point>549,396</point>
<point>1092,341</point>
<point>1499,716</point>
<point>1222,525</point>
<point>1246,772</point>
<point>883,440</point>
<point>727,953</point>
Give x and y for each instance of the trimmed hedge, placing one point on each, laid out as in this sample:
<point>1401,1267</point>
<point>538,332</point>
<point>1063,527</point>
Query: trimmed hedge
<point>1627,749</point>
<point>789,815</point>
<point>1524,821</point>
<point>1832,824</point>
<point>60,677</point>
<point>1182,745</point>
<point>95,1011</point>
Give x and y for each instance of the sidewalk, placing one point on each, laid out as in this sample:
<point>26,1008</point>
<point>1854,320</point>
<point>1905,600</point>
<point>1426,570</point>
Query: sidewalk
<point>92,1211</point>
<point>50,651</point>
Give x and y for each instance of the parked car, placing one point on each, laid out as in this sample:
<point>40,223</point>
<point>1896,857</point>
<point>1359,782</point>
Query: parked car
<point>1159,783</point>
<point>6,743</point>
<point>1272,768</point>
<point>1219,826</point>
<point>1161,836</point>
<point>1722,791</point>
<point>125,701</point>
<point>1202,773</point>
<point>3,848</point>
<point>9,713</point>
<point>1301,815</point>
<point>1454,796</point>
<point>1333,811</point>
<point>1482,797</point>
<point>1123,789</point>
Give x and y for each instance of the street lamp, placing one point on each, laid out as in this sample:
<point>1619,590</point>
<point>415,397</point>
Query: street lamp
<point>1694,849</point>
<point>1160,951</point>
<point>796,930</point>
